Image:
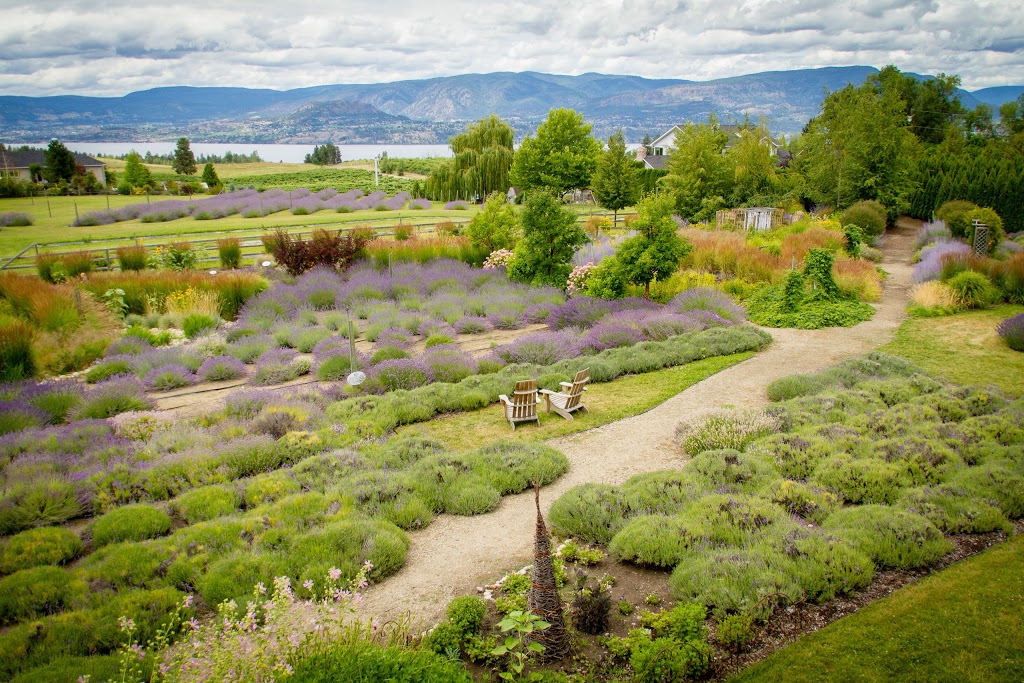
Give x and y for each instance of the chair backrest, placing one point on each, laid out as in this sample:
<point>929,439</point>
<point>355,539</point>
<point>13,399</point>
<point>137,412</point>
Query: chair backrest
<point>576,390</point>
<point>524,399</point>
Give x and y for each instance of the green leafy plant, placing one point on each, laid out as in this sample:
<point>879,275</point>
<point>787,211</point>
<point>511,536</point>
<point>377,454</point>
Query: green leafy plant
<point>734,632</point>
<point>519,625</point>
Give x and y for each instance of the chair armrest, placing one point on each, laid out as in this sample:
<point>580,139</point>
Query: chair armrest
<point>566,384</point>
<point>504,399</point>
<point>545,392</point>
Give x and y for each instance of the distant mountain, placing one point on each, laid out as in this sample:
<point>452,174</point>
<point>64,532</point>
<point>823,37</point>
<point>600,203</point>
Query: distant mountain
<point>431,110</point>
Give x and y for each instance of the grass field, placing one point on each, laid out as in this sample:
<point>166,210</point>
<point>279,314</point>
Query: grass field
<point>607,402</point>
<point>963,348</point>
<point>965,623</point>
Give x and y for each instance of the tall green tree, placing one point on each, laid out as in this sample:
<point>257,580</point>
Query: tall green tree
<point>562,156</point>
<point>184,160</point>
<point>551,236</point>
<point>210,175</point>
<point>697,169</point>
<point>657,250</point>
<point>616,181</point>
<point>324,155</point>
<point>60,162</point>
<point>135,174</point>
<point>483,156</point>
<point>753,164</point>
<point>860,147</point>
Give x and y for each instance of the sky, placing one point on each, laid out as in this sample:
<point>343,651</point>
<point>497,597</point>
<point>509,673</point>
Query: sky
<point>111,47</point>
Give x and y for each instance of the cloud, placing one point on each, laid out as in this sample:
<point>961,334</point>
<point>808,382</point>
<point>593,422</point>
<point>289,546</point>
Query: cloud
<point>82,47</point>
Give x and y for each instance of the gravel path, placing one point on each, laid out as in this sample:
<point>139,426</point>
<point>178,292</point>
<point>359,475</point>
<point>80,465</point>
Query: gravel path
<point>454,555</point>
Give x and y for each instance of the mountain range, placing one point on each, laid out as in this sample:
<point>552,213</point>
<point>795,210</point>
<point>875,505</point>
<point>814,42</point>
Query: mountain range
<point>431,110</point>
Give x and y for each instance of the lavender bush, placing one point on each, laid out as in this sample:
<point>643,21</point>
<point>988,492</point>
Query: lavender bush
<point>541,348</point>
<point>12,219</point>
<point>1011,331</point>
<point>930,266</point>
<point>400,373</point>
<point>220,368</point>
<point>708,299</point>
<point>167,377</point>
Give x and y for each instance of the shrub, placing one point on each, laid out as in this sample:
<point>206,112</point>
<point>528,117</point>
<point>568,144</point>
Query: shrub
<point>126,564</point>
<point>590,512</point>
<point>734,632</point>
<point>15,219</point>
<point>400,373</point>
<point>869,215</point>
<point>334,250</point>
<point>77,263</point>
<point>104,370</point>
<point>889,536</point>
<point>590,610</point>
<point>208,502</point>
<point>132,258</point>
<point>167,377</point>
<point>42,502</point>
<point>724,429</point>
<point>683,623</point>
<point>130,523</point>
<point>1011,330</point>
<point>229,250</point>
<point>114,396</point>
<point>196,324</point>
<point>734,579</point>
<point>995,227</point>
<point>35,547</point>
<point>269,487</point>
<point>325,660</point>
<point>664,659</point>
<point>793,386</point>
<point>466,613</point>
<point>33,592</point>
<point>863,480</point>
<point>955,213</point>
<point>221,368</point>
<point>17,360</point>
<point>973,290</point>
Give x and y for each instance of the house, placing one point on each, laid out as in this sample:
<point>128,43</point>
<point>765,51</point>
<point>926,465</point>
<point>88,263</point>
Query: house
<point>16,164</point>
<point>656,154</point>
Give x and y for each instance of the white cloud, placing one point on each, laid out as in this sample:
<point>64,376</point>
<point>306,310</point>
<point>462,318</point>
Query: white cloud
<point>82,47</point>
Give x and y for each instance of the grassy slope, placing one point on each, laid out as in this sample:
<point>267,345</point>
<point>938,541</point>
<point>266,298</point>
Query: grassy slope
<point>965,623</point>
<point>963,348</point>
<point>607,402</point>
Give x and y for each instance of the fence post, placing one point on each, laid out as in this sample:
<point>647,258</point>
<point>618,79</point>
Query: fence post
<point>48,211</point>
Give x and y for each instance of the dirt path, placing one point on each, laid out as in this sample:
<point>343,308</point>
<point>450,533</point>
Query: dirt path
<point>454,555</point>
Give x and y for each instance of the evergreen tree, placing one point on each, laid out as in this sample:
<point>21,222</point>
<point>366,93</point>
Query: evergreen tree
<point>60,162</point>
<point>210,175</point>
<point>135,174</point>
<point>616,182</point>
<point>184,160</point>
<point>324,155</point>
<point>550,238</point>
<point>560,158</point>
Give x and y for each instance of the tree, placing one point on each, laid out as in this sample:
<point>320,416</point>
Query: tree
<point>60,162</point>
<point>550,238</point>
<point>184,160</point>
<point>210,176</point>
<point>860,147</point>
<point>616,181</point>
<point>561,158</point>
<point>135,174</point>
<point>483,157</point>
<point>495,226</point>
<point>753,164</point>
<point>324,155</point>
<point>697,169</point>
<point>654,253</point>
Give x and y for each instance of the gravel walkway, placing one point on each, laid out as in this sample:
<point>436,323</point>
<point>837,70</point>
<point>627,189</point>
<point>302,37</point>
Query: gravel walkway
<point>454,555</point>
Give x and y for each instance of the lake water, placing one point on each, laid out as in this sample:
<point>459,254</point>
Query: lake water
<point>286,153</point>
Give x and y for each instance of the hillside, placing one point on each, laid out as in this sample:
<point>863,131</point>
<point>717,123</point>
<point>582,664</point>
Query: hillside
<point>430,110</point>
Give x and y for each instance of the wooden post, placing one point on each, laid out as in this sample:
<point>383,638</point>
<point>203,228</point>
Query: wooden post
<point>48,207</point>
<point>75,202</point>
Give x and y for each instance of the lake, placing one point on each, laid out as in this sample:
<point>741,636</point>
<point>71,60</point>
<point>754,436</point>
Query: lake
<point>286,153</point>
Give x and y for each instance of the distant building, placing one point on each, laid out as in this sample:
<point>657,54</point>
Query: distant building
<point>656,154</point>
<point>16,164</point>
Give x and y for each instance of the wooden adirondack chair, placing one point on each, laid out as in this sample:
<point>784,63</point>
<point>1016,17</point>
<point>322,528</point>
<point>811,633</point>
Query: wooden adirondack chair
<point>523,406</point>
<point>567,402</point>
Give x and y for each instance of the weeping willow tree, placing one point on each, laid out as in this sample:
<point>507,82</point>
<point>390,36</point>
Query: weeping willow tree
<point>483,157</point>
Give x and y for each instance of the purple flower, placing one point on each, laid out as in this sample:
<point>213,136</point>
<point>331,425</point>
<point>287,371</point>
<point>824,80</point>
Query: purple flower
<point>541,348</point>
<point>473,324</point>
<point>930,265</point>
<point>610,334</point>
<point>1012,332</point>
<point>167,377</point>
<point>399,373</point>
<point>708,299</point>
<point>457,204</point>
<point>221,368</point>
<point>449,363</point>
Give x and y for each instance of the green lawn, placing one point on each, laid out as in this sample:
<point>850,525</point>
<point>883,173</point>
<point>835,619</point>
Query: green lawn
<point>965,623</point>
<point>607,402</point>
<point>963,348</point>
<point>57,228</point>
